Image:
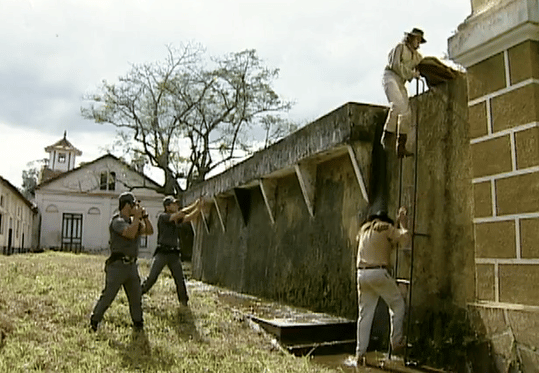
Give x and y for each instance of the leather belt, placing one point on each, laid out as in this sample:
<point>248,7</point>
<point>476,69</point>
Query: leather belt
<point>371,267</point>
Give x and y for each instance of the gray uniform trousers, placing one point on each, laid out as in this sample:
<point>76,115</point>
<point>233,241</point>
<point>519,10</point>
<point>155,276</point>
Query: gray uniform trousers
<point>120,274</point>
<point>172,260</point>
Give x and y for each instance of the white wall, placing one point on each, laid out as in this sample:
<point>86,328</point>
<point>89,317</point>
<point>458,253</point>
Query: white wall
<point>79,193</point>
<point>17,216</point>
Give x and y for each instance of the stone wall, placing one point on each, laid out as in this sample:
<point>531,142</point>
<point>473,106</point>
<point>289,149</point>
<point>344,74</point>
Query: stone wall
<point>307,259</point>
<point>301,260</point>
<point>285,229</point>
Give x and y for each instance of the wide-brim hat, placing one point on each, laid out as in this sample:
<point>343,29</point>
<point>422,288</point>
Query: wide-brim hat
<point>381,215</point>
<point>417,32</point>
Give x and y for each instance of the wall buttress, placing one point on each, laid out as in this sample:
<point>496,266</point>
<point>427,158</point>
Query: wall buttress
<point>220,211</point>
<point>306,173</point>
<point>359,175</point>
<point>268,187</point>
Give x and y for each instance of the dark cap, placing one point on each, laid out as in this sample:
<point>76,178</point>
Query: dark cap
<point>169,200</point>
<point>417,32</point>
<point>127,197</point>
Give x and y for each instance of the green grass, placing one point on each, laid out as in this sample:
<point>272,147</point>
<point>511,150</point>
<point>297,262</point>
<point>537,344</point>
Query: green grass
<point>46,300</point>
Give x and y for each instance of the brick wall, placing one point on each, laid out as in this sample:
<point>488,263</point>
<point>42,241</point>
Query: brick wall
<point>504,130</point>
<point>504,115</point>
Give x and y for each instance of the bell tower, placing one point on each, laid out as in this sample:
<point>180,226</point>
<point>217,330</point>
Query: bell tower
<point>62,156</point>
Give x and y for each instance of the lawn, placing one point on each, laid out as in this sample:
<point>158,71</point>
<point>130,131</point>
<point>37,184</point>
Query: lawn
<point>46,300</point>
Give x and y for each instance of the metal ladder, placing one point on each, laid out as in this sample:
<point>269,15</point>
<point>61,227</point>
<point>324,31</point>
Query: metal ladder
<point>411,228</point>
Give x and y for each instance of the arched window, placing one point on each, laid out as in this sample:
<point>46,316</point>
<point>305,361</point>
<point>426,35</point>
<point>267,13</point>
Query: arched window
<point>51,208</point>
<point>94,211</point>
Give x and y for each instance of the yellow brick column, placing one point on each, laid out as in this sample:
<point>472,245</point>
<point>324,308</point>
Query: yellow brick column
<point>499,46</point>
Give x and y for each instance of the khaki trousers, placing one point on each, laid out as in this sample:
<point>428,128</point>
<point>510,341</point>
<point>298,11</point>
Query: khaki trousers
<point>399,117</point>
<point>372,284</point>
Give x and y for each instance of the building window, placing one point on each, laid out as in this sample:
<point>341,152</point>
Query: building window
<point>17,229</point>
<point>107,181</point>
<point>143,242</point>
<point>1,201</point>
<point>61,157</point>
<point>103,182</point>
<point>112,181</point>
<point>72,231</point>
<point>1,225</point>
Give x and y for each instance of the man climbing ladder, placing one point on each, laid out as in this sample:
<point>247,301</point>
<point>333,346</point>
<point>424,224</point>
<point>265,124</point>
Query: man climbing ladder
<point>401,68</point>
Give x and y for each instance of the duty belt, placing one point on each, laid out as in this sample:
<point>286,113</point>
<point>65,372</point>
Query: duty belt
<point>126,259</point>
<point>129,259</point>
<point>366,266</point>
<point>166,249</point>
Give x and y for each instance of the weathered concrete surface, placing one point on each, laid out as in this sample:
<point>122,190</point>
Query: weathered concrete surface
<point>443,248</point>
<point>300,259</point>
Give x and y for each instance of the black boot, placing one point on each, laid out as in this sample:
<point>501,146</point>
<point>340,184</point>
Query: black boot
<point>93,325</point>
<point>401,147</point>
<point>138,326</point>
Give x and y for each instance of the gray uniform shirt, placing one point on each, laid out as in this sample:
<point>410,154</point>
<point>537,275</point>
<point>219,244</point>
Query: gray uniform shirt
<point>168,230</point>
<point>118,243</point>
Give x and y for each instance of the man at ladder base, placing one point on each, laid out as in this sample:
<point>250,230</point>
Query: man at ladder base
<point>377,238</point>
<point>401,68</point>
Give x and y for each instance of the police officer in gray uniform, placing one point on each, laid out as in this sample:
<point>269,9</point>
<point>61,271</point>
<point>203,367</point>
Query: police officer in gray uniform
<point>168,251</point>
<point>121,269</point>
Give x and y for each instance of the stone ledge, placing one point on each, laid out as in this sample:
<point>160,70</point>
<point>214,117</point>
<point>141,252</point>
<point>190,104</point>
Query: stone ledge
<point>325,138</point>
<point>492,31</point>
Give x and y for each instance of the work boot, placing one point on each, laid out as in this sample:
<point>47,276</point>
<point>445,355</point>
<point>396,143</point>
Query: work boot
<point>401,147</point>
<point>93,325</point>
<point>360,360</point>
<point>138,326</point>
<point>387,139</point>
<point>398,349</point>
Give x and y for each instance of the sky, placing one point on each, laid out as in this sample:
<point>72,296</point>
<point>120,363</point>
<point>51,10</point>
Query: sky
<point>328,53</point>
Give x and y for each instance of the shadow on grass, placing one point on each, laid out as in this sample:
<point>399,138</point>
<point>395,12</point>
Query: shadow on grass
<point>137,354</point>
<point>182,321</point>
<point>186,326</point>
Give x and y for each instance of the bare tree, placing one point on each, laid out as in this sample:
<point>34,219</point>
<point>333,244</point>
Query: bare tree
<point>30,177</point>
<point>189,114</point>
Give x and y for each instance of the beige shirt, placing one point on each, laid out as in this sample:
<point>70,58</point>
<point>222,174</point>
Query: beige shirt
<point>376,240</point>
<point>402,60</point>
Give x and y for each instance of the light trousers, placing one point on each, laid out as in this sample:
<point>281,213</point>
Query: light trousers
<point>372,284</point>
<point>399,117</point>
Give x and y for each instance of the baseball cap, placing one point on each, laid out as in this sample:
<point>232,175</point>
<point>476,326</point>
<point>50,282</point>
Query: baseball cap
<point>169,200</point>
<point>127,197</point>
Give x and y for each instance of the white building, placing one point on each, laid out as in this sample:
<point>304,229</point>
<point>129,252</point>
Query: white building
<point>76,204</point>
<point>18,220</point>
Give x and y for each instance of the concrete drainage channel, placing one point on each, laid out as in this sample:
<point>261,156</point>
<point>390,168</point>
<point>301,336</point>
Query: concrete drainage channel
<point>328,339</point>
<point>324,337</point>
